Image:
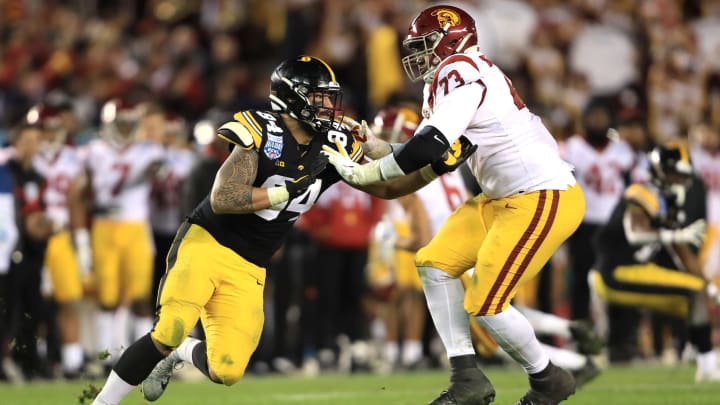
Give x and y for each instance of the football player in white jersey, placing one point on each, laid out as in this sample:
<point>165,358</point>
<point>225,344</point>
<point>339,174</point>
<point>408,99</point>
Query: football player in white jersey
<point>403,229</point>
<point>531,203</point>
<point>601,167</point>
<point>169,131</point>
<point>68,256</point>
<point>121,170</point>
<point>706,162</point>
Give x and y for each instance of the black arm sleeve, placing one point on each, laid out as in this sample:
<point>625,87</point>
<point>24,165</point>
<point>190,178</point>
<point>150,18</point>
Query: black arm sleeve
<point>425,147</point>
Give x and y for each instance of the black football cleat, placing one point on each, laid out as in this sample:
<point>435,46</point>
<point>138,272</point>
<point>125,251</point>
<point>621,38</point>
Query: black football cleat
<point>587,340</point>
<point>467,387</point>
<point>551,389</point>
<point>588,372</point>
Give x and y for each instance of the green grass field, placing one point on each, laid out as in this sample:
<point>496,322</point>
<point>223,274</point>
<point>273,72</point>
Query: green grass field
<point>632,386</point>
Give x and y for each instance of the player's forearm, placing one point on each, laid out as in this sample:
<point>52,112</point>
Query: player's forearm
<point>689,259</point>
<point>76,205</point>
<point>242,199</point>
<point>399,186</point>
<point>376,148</point>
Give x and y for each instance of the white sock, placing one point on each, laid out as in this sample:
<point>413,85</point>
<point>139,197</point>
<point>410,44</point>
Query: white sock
<point>185,350</point>
<point>515,335</point>
<point>567,359</point>
<point>412,352</point>
<point>121,339</point>
<point>445,296</point>
<point>390,352</point>
<point>114,390</point>
<point>707,362</point>
<point>546,323</point>
<point>72,357</point>
<point>105,332</point>
<point>142,325</point>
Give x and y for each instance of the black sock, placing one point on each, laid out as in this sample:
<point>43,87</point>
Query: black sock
<point>463,362</point>
<point>544,373</point>
<point>138,361</point>
<point>200,361</point>
<point>699,336</point>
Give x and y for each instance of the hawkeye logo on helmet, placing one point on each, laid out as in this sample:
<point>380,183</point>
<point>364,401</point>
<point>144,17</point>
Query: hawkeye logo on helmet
<point>445,17</point>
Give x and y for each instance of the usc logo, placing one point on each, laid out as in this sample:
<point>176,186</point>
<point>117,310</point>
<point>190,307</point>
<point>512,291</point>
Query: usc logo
<point>446,16</point>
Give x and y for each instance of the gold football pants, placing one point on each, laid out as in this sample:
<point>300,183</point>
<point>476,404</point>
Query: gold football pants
<point>507,240</point>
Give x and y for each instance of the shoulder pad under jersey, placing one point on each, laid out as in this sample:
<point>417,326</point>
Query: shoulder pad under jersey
<point>244,131</point>
<point>647,198</point>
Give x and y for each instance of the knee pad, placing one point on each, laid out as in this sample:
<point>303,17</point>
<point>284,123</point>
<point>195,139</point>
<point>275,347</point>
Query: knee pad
<point>433,276</point>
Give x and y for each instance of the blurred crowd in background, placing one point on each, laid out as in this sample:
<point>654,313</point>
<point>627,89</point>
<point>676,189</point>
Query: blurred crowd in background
<point>652,66</point>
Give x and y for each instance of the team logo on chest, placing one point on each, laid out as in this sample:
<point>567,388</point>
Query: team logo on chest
<point>273,147</point>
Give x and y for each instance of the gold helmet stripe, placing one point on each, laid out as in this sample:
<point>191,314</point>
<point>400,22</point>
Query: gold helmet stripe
<point>306,58</point>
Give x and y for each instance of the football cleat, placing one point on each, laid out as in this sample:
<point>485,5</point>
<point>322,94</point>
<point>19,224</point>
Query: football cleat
<point>467,387</point>
<point>154,385</point>
<point>588,341</point>
<point>586,373</point>
<point>552,389</point>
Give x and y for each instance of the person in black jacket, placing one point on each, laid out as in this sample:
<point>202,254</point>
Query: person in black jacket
<point>27,260</point>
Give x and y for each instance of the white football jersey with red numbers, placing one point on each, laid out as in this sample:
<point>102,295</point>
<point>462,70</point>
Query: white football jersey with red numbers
<point>707,167</point>
<point>441,197</point>
<point>167,191</point>
<point>58,169</point>
<point>120,181</point>
<point>471,96</point>
<point>601,174</point>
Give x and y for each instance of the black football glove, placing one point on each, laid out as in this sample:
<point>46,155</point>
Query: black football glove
<point>456,155</point>
<point>298,186</point>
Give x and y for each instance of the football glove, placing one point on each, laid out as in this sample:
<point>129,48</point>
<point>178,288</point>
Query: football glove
<point>351,171</point>
<point>693,234</point>
<point>360,131</point>
<point>456,155</point>
<point>298,186</point>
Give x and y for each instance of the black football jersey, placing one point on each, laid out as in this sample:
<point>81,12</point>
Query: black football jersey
<point>256,236</point>
<point>611,244</point>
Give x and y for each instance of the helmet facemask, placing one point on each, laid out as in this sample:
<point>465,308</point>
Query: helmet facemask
<point>422,60</point>
<point>672,176</point>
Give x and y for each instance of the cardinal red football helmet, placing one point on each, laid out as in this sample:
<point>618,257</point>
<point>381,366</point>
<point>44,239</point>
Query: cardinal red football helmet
<point>395,124</point>
<point>50,120</point>
<point>121,119</point>
<point>436,33</point>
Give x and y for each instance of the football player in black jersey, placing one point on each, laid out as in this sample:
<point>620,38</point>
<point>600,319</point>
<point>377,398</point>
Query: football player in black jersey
<point>647,252</point>
<point>216,265</point>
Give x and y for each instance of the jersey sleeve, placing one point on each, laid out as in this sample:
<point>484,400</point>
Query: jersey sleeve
<point>455,72</point>
<point>244,131</point>
<point>645,199</point>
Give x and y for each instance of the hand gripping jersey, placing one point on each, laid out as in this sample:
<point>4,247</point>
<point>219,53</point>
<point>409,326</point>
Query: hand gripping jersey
<point>58,170</point>
<point>601,174</point>
<point>256,236</point>
<point>120,181</point>
<point>516,153</point>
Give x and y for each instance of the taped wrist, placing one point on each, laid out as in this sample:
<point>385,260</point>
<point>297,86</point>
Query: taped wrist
<point>278,195</point>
